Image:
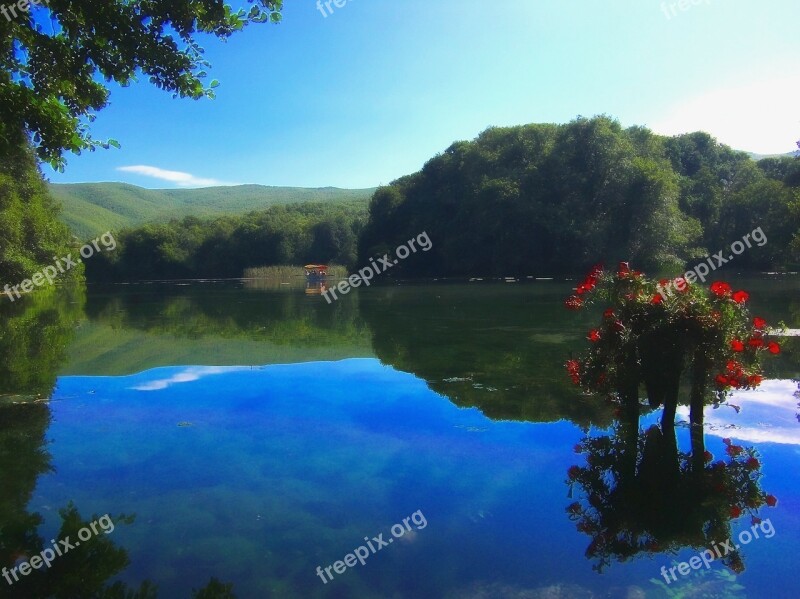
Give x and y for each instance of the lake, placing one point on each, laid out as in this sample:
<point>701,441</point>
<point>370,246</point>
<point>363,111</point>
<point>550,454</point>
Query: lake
<point>417,440</point>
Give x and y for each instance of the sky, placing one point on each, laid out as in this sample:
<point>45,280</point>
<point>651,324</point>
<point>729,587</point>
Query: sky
<point>368,93</point>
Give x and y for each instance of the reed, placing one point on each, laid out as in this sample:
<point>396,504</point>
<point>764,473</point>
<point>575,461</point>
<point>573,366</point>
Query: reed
<point>288,272</point>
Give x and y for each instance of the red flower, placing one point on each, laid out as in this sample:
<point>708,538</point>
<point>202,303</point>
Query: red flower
<point>774,348</point>
<point>573,365</point>
<point>573,368</point>
<point>736,511</point>
<point>721,380</point>
<point>681,284</point>
<point>596,271</point>
<point>756,342</point>
<point>720,288</point>
<point>754,380</point>
<point>608,313</point>
<point>708,456</point>
<point>657,299</point>
<point>737,345</point>
<point>573,472</point>
<point>733,450</point>
<point>726,441</point>
<point>623,269</point>
<point>755,521</point>
<point>741,297</point>
<point>771,500</point>
<point>759,323</point>
<point>573,303</point>
<point>593,336</point>
<point>734,367</point>
<point>752,464</point>
<point>664,283</point>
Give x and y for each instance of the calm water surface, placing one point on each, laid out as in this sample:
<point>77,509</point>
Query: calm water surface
<point>253,433</point>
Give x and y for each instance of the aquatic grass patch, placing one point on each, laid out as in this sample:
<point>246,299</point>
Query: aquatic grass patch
<point>288,273</point>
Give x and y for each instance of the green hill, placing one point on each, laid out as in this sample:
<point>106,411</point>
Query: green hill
<point>93,208</point>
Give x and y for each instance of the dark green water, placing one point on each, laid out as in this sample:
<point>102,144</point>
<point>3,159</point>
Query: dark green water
<point>257,433</point>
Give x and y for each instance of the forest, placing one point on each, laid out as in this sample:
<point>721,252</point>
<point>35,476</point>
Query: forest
<point>223,247</point>
<point>550,200</point>
<point>535,200</point>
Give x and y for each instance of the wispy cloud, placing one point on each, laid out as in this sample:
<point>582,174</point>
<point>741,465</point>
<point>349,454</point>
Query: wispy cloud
<point>179,178</point>
<point>188,375</point>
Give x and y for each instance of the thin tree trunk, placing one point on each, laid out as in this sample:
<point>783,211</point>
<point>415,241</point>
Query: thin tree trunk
<point>696,417</point>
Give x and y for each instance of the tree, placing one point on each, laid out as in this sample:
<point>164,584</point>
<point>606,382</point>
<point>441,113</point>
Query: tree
<point>54,55</point>
<point>30,234</point>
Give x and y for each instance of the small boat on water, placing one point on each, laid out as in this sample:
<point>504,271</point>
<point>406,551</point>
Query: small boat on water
<point>316,272</point>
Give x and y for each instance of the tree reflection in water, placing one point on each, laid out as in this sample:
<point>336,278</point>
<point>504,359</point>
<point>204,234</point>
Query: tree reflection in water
<point>639,494</point>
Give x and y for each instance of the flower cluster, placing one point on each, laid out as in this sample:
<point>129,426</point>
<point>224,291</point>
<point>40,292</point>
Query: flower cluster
<point>645,326</point>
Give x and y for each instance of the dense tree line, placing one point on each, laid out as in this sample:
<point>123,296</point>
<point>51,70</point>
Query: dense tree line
<point>549,199</point>
<point>223,247</point>
<point>31,236</point>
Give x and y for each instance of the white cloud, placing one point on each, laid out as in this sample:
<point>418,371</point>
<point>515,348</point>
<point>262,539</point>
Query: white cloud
<point>756,116</point>
<point>769,415</point>
<point>177,177</point>
<point>193,373</point>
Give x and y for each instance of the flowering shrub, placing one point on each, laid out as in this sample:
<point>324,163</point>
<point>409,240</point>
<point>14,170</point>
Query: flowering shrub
<point>649,334</point>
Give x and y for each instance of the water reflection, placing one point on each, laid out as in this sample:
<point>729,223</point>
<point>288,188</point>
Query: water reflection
<point>35,334</point>
<point>87,569</point>
<point>500,349</point>
<point>640,495</point>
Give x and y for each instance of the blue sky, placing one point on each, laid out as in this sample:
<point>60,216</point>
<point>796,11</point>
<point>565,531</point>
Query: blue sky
<point>370,92</point>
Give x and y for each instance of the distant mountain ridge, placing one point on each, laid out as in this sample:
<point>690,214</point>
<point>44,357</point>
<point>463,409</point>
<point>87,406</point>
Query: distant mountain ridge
<point>93,208</point>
